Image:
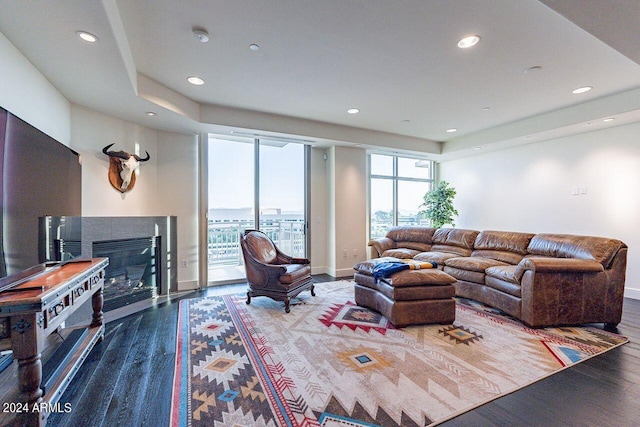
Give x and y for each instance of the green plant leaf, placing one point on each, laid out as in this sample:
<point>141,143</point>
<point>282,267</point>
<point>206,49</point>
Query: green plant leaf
<point>438,204</point>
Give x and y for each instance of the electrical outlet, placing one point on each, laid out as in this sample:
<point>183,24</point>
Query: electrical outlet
<point>185,263</point>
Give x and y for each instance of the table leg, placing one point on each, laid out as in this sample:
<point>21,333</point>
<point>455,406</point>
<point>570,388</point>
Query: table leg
<point>96,302</point>
<point>27,342</point>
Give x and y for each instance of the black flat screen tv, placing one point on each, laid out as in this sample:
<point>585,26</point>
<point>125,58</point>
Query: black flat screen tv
<point>39,176</point>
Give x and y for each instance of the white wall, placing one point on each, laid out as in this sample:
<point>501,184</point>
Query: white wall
<point>529,188</point>
<point>29,95</point>
<point>177,192</point>
<point>346,202</point>
<point>90,132</point>
<point>166,184</point>
<point>318,211</point>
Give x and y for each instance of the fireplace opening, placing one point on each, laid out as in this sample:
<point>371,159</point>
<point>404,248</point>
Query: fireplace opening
<point>132,274</point>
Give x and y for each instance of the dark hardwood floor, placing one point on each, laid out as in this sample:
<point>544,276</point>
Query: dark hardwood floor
<point>127,379</point>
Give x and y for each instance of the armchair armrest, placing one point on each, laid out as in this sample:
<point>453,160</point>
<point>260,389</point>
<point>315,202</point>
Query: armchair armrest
<point>282,258</point>
<point>381,245</point>
<point>558,265</point>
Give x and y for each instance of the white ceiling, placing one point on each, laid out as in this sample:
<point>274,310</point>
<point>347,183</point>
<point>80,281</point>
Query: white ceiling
<point>396,61</point>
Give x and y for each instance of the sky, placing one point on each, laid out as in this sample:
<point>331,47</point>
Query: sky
<point>231,178</point>
<point>410,193</point>
<point>231,175</point>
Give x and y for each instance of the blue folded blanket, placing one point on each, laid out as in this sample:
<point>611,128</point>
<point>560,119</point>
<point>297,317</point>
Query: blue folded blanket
<point>386,269</point>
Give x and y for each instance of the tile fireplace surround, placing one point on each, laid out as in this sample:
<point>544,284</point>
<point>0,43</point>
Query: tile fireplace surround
<point>78,234</point>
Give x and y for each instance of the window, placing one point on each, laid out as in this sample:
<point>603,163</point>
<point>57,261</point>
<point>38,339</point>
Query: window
<point>397,186</point>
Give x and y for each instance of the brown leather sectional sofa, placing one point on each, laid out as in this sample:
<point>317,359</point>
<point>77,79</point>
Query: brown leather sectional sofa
<point>541,279</point>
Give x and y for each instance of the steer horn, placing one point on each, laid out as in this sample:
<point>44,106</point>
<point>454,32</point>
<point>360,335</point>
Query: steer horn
<point>138,158</point>
<point>120,154</point>
<point>124,155</point>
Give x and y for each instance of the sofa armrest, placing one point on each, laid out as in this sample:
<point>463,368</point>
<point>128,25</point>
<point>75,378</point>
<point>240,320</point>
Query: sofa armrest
<point>558,265</point>
<point>381,245</point>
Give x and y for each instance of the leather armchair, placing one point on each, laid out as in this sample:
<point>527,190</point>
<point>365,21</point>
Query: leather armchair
<point>272,273</point>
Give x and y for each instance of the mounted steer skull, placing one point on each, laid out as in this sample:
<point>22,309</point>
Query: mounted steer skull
<point>121,168</point>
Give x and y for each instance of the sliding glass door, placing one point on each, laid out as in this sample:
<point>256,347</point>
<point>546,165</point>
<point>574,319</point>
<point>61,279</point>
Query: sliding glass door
<point>253,182</point>
<point>282,195</point>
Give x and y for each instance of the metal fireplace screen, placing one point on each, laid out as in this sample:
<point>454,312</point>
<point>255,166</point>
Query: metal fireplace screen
<point>133,273</point>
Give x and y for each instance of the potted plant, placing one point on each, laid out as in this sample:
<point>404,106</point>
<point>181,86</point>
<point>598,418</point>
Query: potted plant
<point>438,205</point>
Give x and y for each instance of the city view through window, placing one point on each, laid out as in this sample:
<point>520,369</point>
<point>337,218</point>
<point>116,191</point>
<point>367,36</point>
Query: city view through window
<point>397,186</point>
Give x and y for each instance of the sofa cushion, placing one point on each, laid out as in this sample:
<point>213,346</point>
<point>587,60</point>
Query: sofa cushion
<point>504,278</point>
<point>600,249</point>
<point>437,257</point>
<point>465,275</point>
<point>507,241</point>
<point>417,246</point>
<point>295,272</point>
<point>504,272</point>
<point>505,246</point>
<point>470,269</point>
<point>454,240</point>
<point>503,286</point>
<point>411,234</point>
<point>502,256</point>
<point>472,263</point>
<point>402,253</point>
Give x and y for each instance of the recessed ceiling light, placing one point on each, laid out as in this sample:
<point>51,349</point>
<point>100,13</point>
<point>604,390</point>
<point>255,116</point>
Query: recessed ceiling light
<point>88,37</point>
<point>608,119</point>
<point>195,80</point>
<point>353,111</point>
<point>451,130</point>
<point>486,108</point>
<point>468,41</point>
<point>150,113</point>
<point>254,47</point>
<point>582,89</point>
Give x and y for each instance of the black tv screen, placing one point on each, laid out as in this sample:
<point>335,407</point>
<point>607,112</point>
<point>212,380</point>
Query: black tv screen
<point>39,176</point>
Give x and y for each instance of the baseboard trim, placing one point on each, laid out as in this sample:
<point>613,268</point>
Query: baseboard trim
<point>342,273</point>
<point>632,293</point>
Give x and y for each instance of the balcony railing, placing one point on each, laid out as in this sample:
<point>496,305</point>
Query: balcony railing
<point>224,239</point>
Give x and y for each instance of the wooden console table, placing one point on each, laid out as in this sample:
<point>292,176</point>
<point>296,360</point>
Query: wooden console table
<point>35,309</point>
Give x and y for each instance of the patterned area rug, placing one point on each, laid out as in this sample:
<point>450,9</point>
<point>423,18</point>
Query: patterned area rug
<point>331,363</point>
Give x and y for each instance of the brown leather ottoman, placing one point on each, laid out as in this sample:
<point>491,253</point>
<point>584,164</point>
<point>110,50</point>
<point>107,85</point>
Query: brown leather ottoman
<point>410,297</point>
